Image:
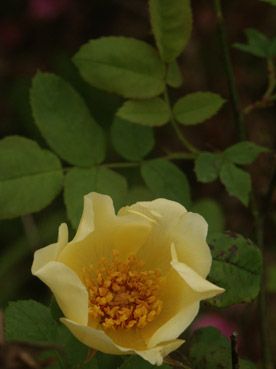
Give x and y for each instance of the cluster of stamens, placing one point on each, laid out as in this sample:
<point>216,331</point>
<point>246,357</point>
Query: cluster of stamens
<point>122,294</point>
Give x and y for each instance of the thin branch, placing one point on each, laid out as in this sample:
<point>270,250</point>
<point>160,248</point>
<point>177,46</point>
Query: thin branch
<point>268,98</point>
<point>259,218</point>
<point>187,144</point>
<point>234,351</point>
<point>271,78</point>
<point>233,92</point>
<point>171,156</point>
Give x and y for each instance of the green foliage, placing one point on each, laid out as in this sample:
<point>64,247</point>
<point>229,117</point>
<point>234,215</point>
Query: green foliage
<point>139,193</point>
<point>174,75</point>
<point>271,278</point>
<point>164,179</point>
<point>243,152</point>
<point>121,65</point>
<point>209,349</point>
<point>258,44</point>
<point>236,181</point>
<point>30,321</point>
<point>65,122</point>
<point>108,361</point>
<point>171,22</point>
<point>79,182</point>
<point>197,107</point>
<point>136,362</point>
<point>212,212</point>
<point>131,141</point>
<point>237,267</point>
<point>30,178</point>
<point>151,112</point>
<point>207,166</point>
<point>271,2</point>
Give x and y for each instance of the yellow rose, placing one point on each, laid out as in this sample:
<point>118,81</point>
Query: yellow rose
<point>132,282</point>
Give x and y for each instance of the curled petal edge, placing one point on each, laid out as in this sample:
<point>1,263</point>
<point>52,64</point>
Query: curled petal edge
<point>200,285</point>
<point>69,291</point>
<point>99,340</point>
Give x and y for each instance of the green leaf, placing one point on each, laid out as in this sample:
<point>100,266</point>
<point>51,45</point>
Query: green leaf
<point>174,75</point>
<point>136,362</point>
<point>171,22</point>
<point>243,152</point>
<point>236,181</point>
<point>107,361</point>
<point>65,122</point>
<point>79,182</point>
<point>151,112</point>
<point>28,320</point>
<point>237,267</point>
<point>122,65</point>
<point>209,349</point>
<point>197,107</point>
<point>272,47</point>
<point>30,178</point>
<point>139,193</point>
<point>166,180</point>
<point>207,166</point>
<point>271,2</point>
<point>132,141</point>
<point>257,44</point>
<point>271,278</point>
<point>212,212</point>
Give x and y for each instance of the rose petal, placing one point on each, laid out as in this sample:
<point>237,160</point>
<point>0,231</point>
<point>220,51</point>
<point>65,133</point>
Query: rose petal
<point>180,306</point>
<point>205,288</point>
<point>126,235</point>
<point>172,223</point>
<point>156,354</point>
<point>189,237</point>
<point>70,293</point>
<point>51,252</point>
<point>98,212</point>
<point>94,338</point>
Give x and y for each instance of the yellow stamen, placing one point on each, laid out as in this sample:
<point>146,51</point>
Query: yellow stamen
<point>121,294</point>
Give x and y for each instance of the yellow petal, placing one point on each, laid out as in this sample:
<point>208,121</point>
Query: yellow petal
<point>51,252</point>
<point>205,288</point>
<point>126,234</point>
<point>129,338</point>
<point>172,223</point>
<point>98,212</point>
<point>94,338</point>
<point>156,208</point>
<point>70,293</point>
<point>156,354</point>
<point>189,237</point>
<point>180,306</point>
<point>99,340</point>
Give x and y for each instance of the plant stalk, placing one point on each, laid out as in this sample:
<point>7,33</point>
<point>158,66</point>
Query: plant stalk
<point>171,156</point>
<point>187,144</point>
<point>233,92</point>
<point>234,351</point>
<point>259,218</point>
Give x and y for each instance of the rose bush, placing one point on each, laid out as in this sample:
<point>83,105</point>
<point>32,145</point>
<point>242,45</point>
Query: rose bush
<point>132,282</point>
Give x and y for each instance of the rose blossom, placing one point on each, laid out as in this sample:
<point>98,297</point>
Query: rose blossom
<point>132,282</point>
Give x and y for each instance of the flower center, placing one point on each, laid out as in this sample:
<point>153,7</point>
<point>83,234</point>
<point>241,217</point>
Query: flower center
<point>121,294</point>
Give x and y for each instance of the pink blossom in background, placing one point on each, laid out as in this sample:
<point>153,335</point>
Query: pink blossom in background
<point>46,9</point>
<point>225,326</point>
